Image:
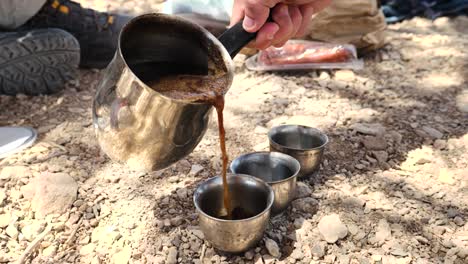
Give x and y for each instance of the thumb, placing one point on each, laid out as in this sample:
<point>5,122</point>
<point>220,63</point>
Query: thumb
<point>256,13</point>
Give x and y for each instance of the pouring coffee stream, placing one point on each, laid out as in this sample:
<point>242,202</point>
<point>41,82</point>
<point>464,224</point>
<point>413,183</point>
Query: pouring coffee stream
<point>210,89</point>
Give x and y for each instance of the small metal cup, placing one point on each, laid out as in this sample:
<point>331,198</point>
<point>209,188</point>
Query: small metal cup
<point>234,236</point>
<point>306,144</point>
<point>278,170</point>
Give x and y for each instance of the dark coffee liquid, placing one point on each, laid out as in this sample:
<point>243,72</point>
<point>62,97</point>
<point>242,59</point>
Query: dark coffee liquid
<point>219,105</point>
<point>209,89</point>
<point>238,213</point>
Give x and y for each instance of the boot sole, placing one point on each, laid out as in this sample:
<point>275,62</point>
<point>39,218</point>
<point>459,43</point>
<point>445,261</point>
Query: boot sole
<point>37,62</point>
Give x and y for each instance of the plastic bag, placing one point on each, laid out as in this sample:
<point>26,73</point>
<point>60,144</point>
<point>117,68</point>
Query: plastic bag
<point>305,55</point>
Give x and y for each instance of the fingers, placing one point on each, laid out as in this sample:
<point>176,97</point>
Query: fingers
<point>282,18</point>
<point>266,35</point>
<point>307,11</point>
<point>290,19</point>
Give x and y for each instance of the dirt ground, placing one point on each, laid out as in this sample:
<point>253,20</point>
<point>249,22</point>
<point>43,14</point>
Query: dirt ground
<point>394,179</point>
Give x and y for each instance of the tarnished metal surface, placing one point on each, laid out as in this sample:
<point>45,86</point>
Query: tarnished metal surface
<point>247,192</point>
<point>135,124</point>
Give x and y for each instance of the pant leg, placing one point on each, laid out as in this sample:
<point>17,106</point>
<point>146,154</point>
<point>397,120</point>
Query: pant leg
<point>14,13</point>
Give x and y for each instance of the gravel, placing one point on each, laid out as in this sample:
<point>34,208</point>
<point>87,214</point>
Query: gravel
<point>391,188</point>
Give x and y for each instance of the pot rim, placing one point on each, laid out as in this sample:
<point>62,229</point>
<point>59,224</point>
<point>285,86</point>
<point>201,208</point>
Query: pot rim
<point>228,62</point>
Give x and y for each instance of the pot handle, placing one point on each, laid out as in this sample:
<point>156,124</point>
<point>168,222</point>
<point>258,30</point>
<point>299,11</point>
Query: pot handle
<point>235,38</point>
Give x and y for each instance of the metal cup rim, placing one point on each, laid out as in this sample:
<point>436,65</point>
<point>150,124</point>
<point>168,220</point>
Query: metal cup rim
<point>296,173</point>
<point>276,144</point>
<point>271,198</point>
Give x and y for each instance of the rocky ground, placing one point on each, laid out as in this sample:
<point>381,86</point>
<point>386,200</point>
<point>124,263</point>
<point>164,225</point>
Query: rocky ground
<point>393,187</point>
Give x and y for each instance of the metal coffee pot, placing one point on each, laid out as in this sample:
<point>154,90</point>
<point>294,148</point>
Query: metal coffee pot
<point>135,124</point>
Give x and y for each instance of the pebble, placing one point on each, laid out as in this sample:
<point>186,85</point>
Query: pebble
<point>446,176</point>
<point>381,156</point>
<point>123,256</point>
<point>374,143</point>
<point>249,255</point>
<point>303,190</point>
<point>195,169</point>
<point>272,248</point>
<point>306,205</point>
<point>12,232</point>
<point>432,132</point>
<point>462,101</point>
<point>14,172</point>
<point>459,221</point>
<point>51,193</point>
<point>31,231</point>
<point>49,251</point>
<point>4,220</point>
<point>319,250</point>
<point>373,129</point>
<point>331,228</point>
<point>87,249</point>
<point>172,256</point>
<point>383,231</point>
<point>344,75</point>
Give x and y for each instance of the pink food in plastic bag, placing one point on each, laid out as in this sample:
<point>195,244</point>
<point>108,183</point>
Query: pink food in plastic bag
<point>298,53</point>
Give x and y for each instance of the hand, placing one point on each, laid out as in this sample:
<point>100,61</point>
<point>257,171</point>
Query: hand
<point>290,19</point>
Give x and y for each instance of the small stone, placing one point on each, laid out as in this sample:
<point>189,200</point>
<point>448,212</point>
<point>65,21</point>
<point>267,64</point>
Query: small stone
<point>306,205</point>
<point>177,221</point>
<point>4,220</point>
<point>14,172</point>
<point>463,252</point>
<point>344,75</point>
<point>459,221</point>
<point>172,256</point>
<point>123,256</point>
<point>31,231</point>
<point>422,240</point>
<point>354,202</point>
<point>432,132</point>
<point>49,251</point>
<point>198,233</point>
<point>268,259</point>
<point>331,228</point>
<point>446,176</point>
<point>359,166</point>
<point>374,143</point>
<point>303,190</point>
<point>12,232</point>
<point>381,156</point>
<point>87,249</point>
<point>78,203</point>
<point>182,193</point>
<point>368,129</point>
<point>272,248</point>
<point>249,255</point>
<point>353,229</point>
<point>196,168</point>
<point>52,193</point>
<point>297,254</point>
<point>318,250</point>
<point>399,251</point>
<point>383,231</point>
<point>440,144</point>
<point>462,101</point>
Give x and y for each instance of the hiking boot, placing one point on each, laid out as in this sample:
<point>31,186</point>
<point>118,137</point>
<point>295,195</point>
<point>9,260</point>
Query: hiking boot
<point>96,32</point>
<point>38,61</point>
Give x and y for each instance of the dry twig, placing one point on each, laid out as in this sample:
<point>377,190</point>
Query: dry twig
<point>34,244</point>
